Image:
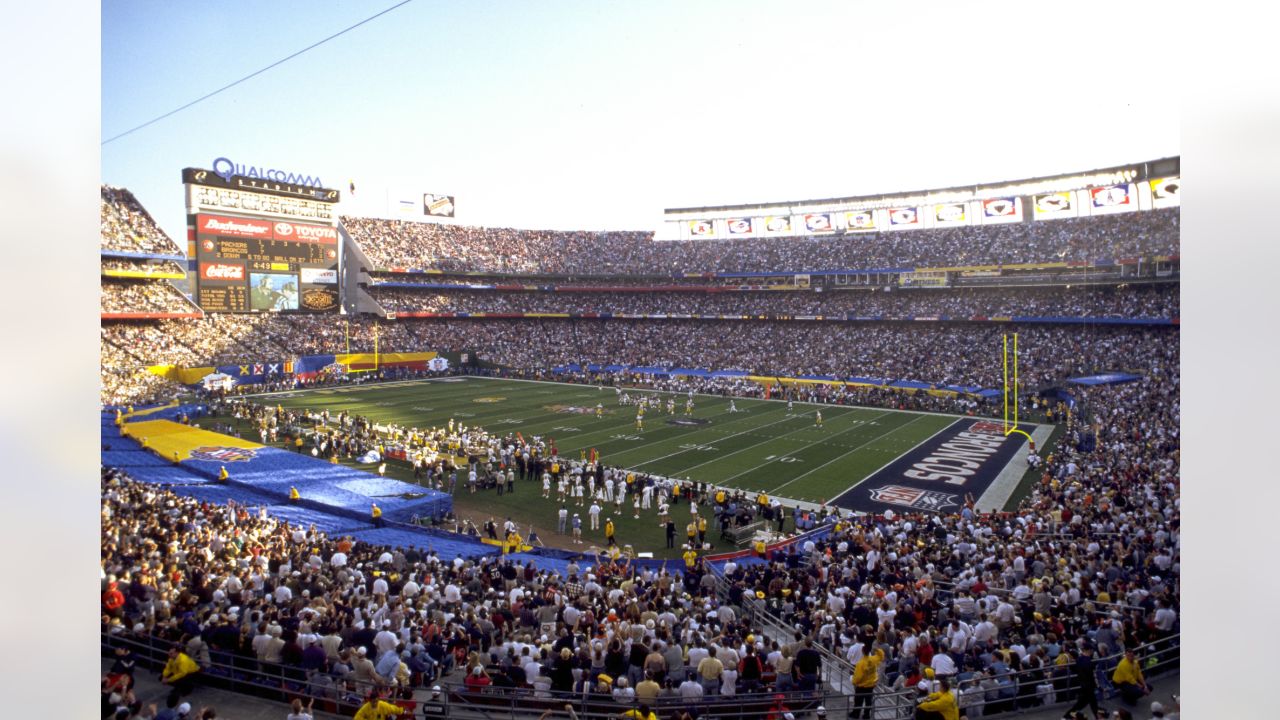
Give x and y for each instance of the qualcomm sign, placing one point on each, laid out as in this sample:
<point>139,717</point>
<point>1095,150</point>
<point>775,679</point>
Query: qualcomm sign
<point>224,168</point>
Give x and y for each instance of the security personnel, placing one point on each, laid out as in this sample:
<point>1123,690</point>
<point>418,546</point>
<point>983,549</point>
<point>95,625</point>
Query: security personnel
<point>866,674</point>
<point>293,494</point>
<point>690,558</point>
<point>941,704</point>
<point>608,533</point>
<point>223,474</point>
<point>375,708</point>
<point>702,530</point>
<point>376,514</point>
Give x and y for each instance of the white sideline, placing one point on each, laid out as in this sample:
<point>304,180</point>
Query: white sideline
<point>999,491</point>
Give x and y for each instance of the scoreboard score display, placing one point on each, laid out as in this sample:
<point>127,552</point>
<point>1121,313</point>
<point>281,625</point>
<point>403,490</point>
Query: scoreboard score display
<point>255,265</point>
<point>277,260</point>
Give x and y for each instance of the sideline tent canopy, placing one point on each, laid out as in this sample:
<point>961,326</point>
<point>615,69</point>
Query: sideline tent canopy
<point>217,381</point>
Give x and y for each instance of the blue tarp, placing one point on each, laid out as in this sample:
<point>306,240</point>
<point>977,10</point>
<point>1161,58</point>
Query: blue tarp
<point>695,372</point>
<point>729,373</point>
<point>1105,379</point>
<point>913,384</point>
<point>650,370</point>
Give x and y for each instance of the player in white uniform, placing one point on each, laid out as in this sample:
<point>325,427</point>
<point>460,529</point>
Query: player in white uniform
<point>546,485</point>
<point>733,406</point>
<point>817,418</point>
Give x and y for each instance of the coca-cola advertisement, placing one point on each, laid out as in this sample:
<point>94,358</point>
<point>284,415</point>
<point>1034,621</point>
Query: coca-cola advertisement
<point>222,272</point>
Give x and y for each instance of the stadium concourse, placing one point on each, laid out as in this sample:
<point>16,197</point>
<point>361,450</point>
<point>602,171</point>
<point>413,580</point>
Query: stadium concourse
<point>225,583</point>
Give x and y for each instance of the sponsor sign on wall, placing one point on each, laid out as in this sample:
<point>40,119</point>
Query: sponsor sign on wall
<point>1001,210</point>
<point>1055,205</point>
<point>1166,192</point>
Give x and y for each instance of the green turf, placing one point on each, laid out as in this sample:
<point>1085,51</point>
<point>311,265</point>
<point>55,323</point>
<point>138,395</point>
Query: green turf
<point>760,448</point>
<point>763,447</point>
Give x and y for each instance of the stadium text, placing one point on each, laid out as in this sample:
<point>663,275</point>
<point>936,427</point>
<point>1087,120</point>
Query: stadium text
<point>225,169</point>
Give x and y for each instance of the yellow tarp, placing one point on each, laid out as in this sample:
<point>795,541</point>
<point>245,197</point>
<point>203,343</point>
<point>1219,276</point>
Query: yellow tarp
<point>382,358</point>
<point>158,274</point>
<point>167,437</point>
<point>186,376</point>
<point>149,411</point>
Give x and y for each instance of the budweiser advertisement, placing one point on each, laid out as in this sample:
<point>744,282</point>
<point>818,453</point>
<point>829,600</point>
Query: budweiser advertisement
<point>233,227</point>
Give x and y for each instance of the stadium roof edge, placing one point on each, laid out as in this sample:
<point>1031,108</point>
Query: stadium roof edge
<point>1146,169</point>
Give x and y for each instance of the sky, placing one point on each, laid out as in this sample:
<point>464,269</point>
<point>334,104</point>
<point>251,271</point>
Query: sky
<point>599,115</point>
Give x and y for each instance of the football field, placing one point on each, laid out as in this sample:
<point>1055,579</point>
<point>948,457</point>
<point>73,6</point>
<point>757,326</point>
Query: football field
<point>762,446</point>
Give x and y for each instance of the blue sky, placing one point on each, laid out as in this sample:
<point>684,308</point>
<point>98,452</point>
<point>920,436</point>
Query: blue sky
<point>594,115</point>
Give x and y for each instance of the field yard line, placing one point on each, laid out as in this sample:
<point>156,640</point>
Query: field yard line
<point>655,442</point>
<point>752,447</point>
<point>895,459</point>
<point>744,432</point>
<point>855,449</point>
<point>824,440</point>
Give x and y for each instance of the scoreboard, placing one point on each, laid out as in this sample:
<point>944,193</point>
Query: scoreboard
<point>278,259</point>
<point>254,265</point>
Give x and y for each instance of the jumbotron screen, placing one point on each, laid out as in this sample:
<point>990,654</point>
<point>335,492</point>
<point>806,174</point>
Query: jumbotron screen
<point>263,265</point>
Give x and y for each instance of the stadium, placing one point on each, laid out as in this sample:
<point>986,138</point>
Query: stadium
<point>890,455</point>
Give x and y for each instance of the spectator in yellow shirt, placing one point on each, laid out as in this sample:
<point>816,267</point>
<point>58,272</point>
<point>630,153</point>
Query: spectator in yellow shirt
<point>1128,679</point>
<point>641,713</point>
<point>375,708</point>
<point>180,671</point>
<point>866,674</point>
<point>940,705</point>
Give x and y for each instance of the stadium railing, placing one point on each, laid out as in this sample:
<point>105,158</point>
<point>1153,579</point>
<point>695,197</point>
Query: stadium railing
<point>281,683</point>
<point>1048,686</point>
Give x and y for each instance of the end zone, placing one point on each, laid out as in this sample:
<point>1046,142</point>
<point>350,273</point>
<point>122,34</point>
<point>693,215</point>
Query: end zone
<point>936,475</point>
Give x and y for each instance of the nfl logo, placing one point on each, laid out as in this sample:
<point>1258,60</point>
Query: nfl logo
<point>220,454</point>
<point>914,498</point>
<point>988,427</point>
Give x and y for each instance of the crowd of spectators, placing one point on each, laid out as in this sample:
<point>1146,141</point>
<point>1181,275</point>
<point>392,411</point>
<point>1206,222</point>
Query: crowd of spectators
<point>1091,560</point>
<point>944,354</point>
<point>396,243</point>
<point>960,354</point>
<point>1003,607</point>
<point>143,296</point>
<point>232,586</point>
<point>125,379</point>
<point>1146,301</point>
<point>127,226</point>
